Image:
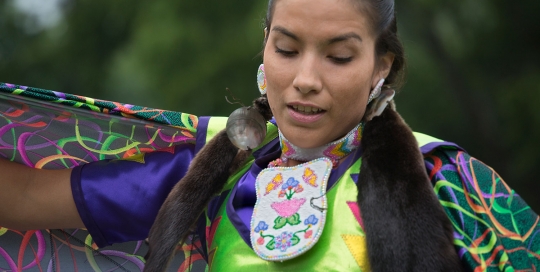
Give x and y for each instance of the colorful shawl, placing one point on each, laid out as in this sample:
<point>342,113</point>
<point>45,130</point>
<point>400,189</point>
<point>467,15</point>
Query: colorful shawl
<point>53,130</point>
<point>494,228</point>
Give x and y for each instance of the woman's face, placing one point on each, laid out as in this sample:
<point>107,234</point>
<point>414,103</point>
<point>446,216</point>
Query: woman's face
<point>320,66</point>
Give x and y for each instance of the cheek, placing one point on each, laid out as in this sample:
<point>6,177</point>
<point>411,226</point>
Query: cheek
<point>277,77</point>
<point>273,89</point>
<point>351,100</point>
<point>352,105</point>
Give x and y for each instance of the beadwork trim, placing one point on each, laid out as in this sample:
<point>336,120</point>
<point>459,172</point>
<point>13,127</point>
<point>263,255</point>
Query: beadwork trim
<point>311,210</point>
<point>335,150</point>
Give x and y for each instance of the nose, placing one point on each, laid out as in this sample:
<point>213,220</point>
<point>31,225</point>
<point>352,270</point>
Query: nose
<point>308,76</point>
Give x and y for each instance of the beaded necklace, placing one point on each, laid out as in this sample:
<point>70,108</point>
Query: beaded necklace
<point>334,151</point>
<point>290,213</point>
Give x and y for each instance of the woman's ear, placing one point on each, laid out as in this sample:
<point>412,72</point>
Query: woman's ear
<point>384,66</point>
<point>265,38</point>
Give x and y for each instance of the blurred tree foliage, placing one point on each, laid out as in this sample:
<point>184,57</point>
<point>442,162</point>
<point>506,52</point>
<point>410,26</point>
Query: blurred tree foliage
<point>472,77</point>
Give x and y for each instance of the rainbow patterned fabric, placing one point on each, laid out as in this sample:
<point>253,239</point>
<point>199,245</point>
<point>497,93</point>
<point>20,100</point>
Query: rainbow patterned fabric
<point>494,229</point>
<point>53,130</point>
<point>66,125</point>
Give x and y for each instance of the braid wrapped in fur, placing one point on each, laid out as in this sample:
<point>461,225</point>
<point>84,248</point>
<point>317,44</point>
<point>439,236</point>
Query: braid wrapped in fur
<point>406,227</point>
<point>210,169</point>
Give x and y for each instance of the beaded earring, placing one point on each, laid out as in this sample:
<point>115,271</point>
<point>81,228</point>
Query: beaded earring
<point>261,80</point>
<point>376,91</point>
<point>246,126</point>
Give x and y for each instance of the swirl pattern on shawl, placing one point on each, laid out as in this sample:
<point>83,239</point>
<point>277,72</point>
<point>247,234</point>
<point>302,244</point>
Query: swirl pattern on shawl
<point>494,229</point>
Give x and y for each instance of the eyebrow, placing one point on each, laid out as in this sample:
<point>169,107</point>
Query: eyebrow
<point>345,37</point>
<point>285,32</point>
<point>340,38</point>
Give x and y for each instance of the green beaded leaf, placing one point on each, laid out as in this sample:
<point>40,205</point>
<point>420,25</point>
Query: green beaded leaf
<point>271,245</point>
<point>295,240</point>
<point>280,222</point>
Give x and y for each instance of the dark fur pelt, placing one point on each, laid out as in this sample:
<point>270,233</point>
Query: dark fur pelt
<point>406,227</point>
<point>205,178</point>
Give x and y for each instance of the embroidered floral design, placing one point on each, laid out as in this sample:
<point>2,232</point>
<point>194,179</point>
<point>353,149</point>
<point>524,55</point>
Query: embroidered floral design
<point>311,220</point>
<point>261,226</point>
<point>283,241</point>
<point>310,177</point>
<point>282,193</point>
<point>276,181</point>
<point>288,209</point>
<point>288,212</point>
<point>291,187</point>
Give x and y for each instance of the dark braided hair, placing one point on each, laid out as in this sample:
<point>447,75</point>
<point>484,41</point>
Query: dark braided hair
<point>205,178</point>
<point>406,228</point>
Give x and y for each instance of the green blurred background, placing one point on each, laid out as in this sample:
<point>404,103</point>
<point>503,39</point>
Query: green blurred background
<point>472,78</point>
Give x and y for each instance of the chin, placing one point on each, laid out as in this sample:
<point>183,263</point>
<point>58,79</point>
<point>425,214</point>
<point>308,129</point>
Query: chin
<point>304,137</point>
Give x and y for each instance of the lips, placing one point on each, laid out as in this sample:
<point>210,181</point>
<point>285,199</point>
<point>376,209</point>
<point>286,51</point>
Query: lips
<point>304,113</point>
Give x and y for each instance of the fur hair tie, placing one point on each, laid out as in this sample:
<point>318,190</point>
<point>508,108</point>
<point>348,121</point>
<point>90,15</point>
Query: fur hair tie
<point>406,226</point>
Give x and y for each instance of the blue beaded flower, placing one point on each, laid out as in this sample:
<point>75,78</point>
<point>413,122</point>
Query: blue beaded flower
<point>291,183</point>
<point>311,220</point>
<point>261,226</point>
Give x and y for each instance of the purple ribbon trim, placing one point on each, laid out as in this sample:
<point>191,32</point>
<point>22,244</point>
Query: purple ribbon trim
<point>243,195</point>
<point>432,146</point>
<point>202,129</point>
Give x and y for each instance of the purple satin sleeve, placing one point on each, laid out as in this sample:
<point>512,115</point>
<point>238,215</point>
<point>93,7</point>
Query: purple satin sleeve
<point>118,200</point>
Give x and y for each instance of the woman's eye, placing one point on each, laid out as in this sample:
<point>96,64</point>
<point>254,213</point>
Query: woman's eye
<point>340,60</point>
<point>285,52</point>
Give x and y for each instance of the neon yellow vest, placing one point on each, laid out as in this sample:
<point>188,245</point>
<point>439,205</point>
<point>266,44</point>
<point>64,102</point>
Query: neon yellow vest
<point>342,246</point>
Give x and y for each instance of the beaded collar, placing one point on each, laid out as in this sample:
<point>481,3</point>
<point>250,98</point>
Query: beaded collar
<point>290,196</point>
<point>334,151</point>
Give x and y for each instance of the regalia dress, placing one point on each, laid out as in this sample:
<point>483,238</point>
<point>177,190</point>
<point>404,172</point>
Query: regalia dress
<point>126,159</point>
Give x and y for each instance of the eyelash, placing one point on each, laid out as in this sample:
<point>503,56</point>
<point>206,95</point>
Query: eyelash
<point>285,53</point>
<point>336,60</point>
<point>341,60</point>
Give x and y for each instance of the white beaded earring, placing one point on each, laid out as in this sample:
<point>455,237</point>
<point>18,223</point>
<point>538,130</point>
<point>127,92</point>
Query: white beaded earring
<point>376,91</point>
<point>261,79</point>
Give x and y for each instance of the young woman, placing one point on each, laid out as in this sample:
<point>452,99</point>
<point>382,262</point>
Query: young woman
<point>339,182</point>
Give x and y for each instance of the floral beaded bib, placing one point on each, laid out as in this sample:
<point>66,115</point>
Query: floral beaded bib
<point>290,212</point>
